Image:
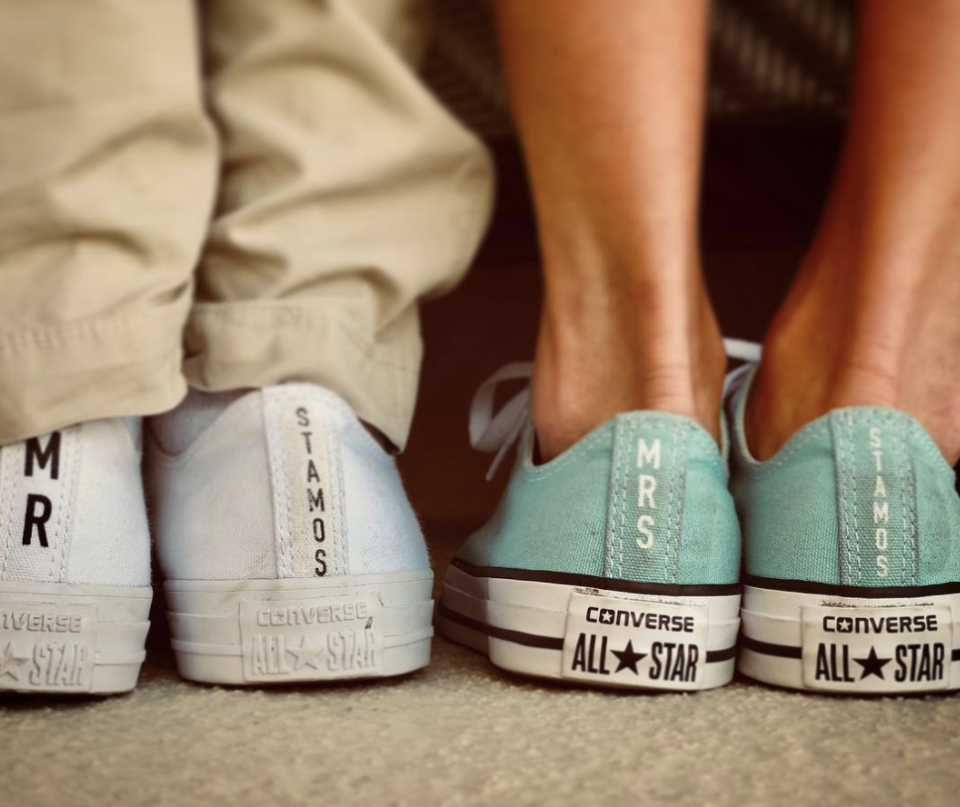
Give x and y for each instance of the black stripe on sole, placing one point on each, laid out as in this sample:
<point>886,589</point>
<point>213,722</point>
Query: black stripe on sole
<point>515,636</point>
<point>544,642</point>
<point>857,592</point>
<point>788,651</point>
<point>768,649</point>
<point>726,654</point>
<point>590,581</point>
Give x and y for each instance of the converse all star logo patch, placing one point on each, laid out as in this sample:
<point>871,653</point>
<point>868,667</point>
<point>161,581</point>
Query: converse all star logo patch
<point>44,647</point>
<point>305,469</point>
<point>634,642</point>
<point>288,640</point>
<point>37,487</point>
<point>883,649</point>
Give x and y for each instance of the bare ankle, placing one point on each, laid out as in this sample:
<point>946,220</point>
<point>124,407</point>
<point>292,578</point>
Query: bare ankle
<point>585,376</point>
<point>848,354</point>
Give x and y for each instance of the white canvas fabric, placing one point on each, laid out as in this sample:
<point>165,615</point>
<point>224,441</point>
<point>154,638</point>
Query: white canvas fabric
<point>281,483</point>
<point>290,550</point>
<point>72,507</point>
<point>74,560</point>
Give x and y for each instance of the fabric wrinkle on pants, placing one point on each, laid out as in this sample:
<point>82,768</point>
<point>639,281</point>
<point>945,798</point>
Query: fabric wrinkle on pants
<point>277,220</point>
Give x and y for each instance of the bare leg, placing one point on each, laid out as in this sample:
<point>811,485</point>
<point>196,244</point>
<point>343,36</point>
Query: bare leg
<point>609,101</point>
<point>873,317</point>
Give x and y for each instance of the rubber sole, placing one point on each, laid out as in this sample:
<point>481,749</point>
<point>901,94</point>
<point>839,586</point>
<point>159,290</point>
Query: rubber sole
<point>63,639</point>
<point>256,632</point>
<point>884,643</point>
<point>590,635</point>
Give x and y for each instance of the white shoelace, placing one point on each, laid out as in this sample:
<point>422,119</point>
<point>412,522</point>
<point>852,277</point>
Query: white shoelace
<point>495,433</point>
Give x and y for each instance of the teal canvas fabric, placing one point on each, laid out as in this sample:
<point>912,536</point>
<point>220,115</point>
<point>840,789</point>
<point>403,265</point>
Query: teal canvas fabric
<point>859,497</point>
<point>642,498</point>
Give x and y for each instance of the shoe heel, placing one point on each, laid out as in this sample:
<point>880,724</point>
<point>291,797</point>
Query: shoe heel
<point>899,643</point>
<point>583,634</point>
<point>64,639</point>
<point>262,632</point>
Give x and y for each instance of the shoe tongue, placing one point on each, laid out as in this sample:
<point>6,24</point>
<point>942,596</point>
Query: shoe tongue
<point>736,389</point>
<point>176,430</point>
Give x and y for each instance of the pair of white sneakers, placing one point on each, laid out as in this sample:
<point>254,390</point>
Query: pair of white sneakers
<point>289,550</point>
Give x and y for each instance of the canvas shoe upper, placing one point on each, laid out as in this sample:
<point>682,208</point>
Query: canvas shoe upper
<point>852,555</point>
<point>74,560</point>
<point>289,548</point>
<point>616,563</point>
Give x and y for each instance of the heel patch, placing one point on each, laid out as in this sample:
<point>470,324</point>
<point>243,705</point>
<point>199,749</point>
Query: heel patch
<point>306,473</point>
<point>47,648</point>
<point>876,497</point>
<point>896,648</point>
<point>648,644</point>
<point>312,640</point>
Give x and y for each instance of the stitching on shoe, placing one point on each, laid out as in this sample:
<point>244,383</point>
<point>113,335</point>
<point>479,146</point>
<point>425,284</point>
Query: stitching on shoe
<point>277,459</point>
<point>611,525</point>
<point>668,538</point>
<point>681,493</point>
<point>342,544</point>
<point>14,481</point>
<point>76,455</point>
<point>537,473</point>
<point>621,492</point>
<point>841,478</point>
<point>853,484</point>
<point>904,506</point>
<point>762,470</point>
<point>678,422</point>
<point>912,505</point>
<point>623,465</point>
<point>58,530</point>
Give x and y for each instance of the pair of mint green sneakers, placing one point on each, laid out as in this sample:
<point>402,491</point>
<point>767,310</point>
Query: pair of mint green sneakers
<point>647,557</point>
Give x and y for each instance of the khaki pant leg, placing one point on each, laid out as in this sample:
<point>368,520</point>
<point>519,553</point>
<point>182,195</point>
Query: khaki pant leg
<point>107,172</point>
<point>348,194</point>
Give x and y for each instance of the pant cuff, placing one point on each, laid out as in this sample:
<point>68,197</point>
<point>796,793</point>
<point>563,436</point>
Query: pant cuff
<point>51,378</point>
<point>256,344</point>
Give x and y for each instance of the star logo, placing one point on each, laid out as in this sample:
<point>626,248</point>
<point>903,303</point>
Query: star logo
<point>606,616</point>
<point>627,658</point>
<point>872,664</point>
<point>306,655</point>
<point>10,662</point>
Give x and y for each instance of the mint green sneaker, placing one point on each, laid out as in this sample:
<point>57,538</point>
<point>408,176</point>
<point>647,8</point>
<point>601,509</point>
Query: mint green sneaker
<point>852,555</point>
<point>614,564</point>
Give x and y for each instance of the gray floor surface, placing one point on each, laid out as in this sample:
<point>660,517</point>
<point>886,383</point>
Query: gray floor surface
<point>460,733</point>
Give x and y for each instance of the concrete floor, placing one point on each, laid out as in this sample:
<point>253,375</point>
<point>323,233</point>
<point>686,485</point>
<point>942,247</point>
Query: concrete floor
<point>460,733</point>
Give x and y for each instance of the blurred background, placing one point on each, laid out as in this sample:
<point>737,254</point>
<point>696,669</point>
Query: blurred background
<point>776,106</point>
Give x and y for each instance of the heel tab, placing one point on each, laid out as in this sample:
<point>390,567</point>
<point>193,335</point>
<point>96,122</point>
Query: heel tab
<point>877,516</point>
<point>654,456</point>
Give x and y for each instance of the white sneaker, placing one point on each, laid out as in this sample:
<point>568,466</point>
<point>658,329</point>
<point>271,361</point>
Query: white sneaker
<point>290,550</point>
<point>74,560</point>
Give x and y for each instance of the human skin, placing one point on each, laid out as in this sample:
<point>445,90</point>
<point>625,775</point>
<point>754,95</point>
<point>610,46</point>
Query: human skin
<point>609,107</point>
<point>608,99</point>
<point>873,316</point>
